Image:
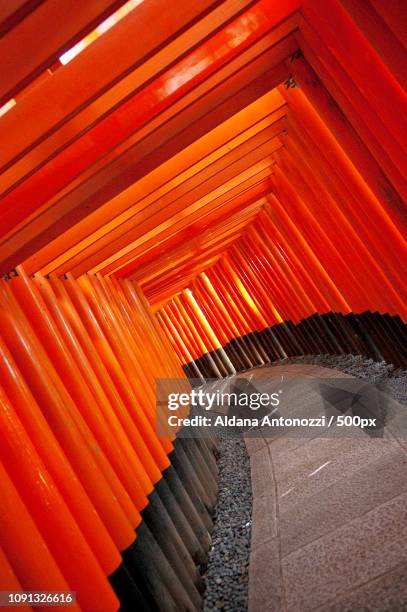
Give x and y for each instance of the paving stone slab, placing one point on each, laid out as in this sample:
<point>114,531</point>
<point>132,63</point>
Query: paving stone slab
<point>261,473</point>
<point>388,593</point>
<point>264,520</point>
<point>357,552</point>
<point>265,583</point>
<point>254,442</point>
<point>316,465</point>
<point>345,500</point>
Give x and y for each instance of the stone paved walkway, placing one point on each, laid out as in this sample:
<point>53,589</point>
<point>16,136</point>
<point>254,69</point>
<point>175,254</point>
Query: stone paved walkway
<point>329,523</point>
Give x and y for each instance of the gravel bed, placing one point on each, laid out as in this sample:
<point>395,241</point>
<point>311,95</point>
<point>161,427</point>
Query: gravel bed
<point>226,577</point>
<point>387,378</point>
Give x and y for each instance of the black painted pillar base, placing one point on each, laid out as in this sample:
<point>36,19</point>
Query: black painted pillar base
<point>383,337</point>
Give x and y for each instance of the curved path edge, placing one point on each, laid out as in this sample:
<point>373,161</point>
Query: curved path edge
<point>329,518</point>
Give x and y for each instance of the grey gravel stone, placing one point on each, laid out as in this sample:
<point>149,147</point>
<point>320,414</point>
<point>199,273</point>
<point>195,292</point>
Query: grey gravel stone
<point>388,378</point>
<point>226,577</point>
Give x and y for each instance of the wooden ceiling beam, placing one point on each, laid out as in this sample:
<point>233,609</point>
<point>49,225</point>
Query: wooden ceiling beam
<point>193,268</point>
<point>45,183</point>
<point>107,59</point>
<point>123,172</point>
<point>181,232</point>
<point>129,99</point>
<point>14,11</point>
<point>156,184</point>
<point>125,261</point>
<point>216,231</point>
<point>22,58</point>
<point>260,158</point>
<point>165,292</point>
<point>178,200</point>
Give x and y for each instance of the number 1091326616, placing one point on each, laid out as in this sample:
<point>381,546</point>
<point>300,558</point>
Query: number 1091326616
<point>50,598</point>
